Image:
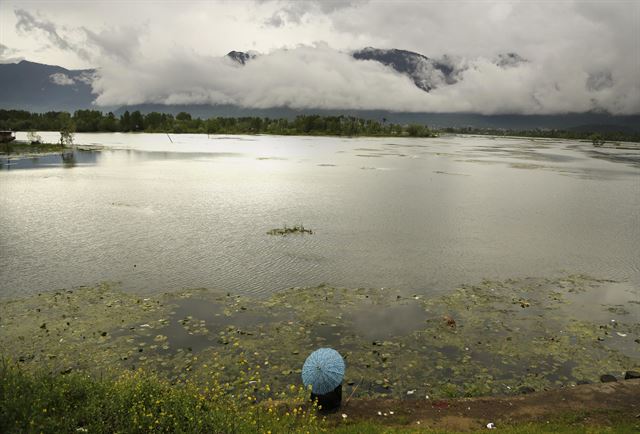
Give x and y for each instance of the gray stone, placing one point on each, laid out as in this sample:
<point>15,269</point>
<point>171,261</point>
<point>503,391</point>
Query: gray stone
<point>631,375</point>
<point>525,390</point>
<point>606,378</point>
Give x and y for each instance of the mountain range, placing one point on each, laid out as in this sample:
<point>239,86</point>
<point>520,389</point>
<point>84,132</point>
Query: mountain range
<point>38,87</point>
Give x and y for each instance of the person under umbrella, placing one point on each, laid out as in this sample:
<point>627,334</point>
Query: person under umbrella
<point>323,371</point>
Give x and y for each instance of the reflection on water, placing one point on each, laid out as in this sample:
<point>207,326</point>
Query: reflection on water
<point>428,214</point>
<point>66,159</point>
<point>383,322</point>
<point>72,158</point>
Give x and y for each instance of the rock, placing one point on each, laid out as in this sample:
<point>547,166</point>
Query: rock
<point>606,378</point>
<point>583,382</point>
<point>631,375</point>
<point>525,390</point>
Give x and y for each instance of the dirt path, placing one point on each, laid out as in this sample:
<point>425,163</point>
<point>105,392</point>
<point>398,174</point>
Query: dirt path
<point>475,413</point>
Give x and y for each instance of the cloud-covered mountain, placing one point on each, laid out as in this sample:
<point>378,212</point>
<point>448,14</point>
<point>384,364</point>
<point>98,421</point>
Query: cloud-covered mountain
<point>565,57</point>
<point>241,57</point>
<point>426,73</point>
<point>37,87</point>
<point>308,78</point>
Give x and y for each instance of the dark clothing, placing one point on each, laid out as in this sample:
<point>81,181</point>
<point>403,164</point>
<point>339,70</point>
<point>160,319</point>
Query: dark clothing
<point>329,401</point>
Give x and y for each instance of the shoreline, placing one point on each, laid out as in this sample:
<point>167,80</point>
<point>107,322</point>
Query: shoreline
<point>506,336</point>
<point>24,150</point>
<point>139,401</point>
<point>608,144</point>
<point>588,404</point>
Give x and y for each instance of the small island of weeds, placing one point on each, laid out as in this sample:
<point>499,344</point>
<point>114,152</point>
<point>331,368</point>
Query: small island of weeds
<point>297,229</point>
<point>34,144</point>
<point>22,148</point>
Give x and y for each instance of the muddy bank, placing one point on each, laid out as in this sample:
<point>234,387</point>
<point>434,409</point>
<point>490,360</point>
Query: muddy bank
<point>491,338</point>
<point>591,403</point>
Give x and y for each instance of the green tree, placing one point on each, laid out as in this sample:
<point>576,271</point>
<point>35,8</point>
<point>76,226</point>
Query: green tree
<point>183,117</point>
<point>66,134</point>
<point>137,121</point>
<point>596,139</point>
<point>87,120</point>
<point>125,121</point>
<point>108,123</point>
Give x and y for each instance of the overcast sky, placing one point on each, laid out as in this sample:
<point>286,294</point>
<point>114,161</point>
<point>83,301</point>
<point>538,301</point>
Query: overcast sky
<point>580,55</point>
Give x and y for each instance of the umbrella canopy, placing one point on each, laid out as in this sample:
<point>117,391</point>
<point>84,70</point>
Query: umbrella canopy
<point>323,370</point>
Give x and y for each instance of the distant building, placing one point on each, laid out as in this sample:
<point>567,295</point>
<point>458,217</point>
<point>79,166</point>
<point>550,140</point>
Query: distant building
<point>7,136</point>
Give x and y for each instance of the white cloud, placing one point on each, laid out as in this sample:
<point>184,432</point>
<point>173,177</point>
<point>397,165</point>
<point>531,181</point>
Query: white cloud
<point>7,55</point>
<point>580,55</point>
<point>61,79</point>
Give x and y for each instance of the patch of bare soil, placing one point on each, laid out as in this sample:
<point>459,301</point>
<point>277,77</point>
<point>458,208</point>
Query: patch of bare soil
<point>465,414</point>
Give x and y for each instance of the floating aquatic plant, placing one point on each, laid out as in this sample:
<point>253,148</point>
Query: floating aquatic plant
<point>297,229</point>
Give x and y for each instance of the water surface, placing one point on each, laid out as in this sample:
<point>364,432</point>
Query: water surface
<point>160,213</point>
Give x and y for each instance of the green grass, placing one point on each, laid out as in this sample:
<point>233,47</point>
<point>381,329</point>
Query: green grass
<point>137,402</point>
<point>26,148</point>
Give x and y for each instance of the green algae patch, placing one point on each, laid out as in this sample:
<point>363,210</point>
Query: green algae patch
<point>491,338</point>
<point>296,229</point>
<point>81,329</point>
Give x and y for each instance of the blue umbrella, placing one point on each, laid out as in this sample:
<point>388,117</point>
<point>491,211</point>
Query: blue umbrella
<point>323,370</point>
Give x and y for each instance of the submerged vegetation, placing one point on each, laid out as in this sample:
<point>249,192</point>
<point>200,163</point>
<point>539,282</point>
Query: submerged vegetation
<point>486,339</point>
<point>297,229</point>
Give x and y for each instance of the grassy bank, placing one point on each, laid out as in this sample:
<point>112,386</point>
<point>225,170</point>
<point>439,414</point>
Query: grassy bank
<point>26,148</point>
<point>138,402</point>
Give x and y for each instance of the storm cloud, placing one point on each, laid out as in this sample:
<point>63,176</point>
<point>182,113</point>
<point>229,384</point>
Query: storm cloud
<point>28,23</point>
<point>516,57</point>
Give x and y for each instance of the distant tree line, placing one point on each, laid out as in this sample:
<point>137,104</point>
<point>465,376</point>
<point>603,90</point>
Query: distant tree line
<point>154,122</point>
<point>595,135</point>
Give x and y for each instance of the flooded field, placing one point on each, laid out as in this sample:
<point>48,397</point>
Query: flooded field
<point>455,266</point>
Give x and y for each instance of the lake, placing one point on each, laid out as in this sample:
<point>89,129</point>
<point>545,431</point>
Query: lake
<point>160,213</point>
<point>451,266</point>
